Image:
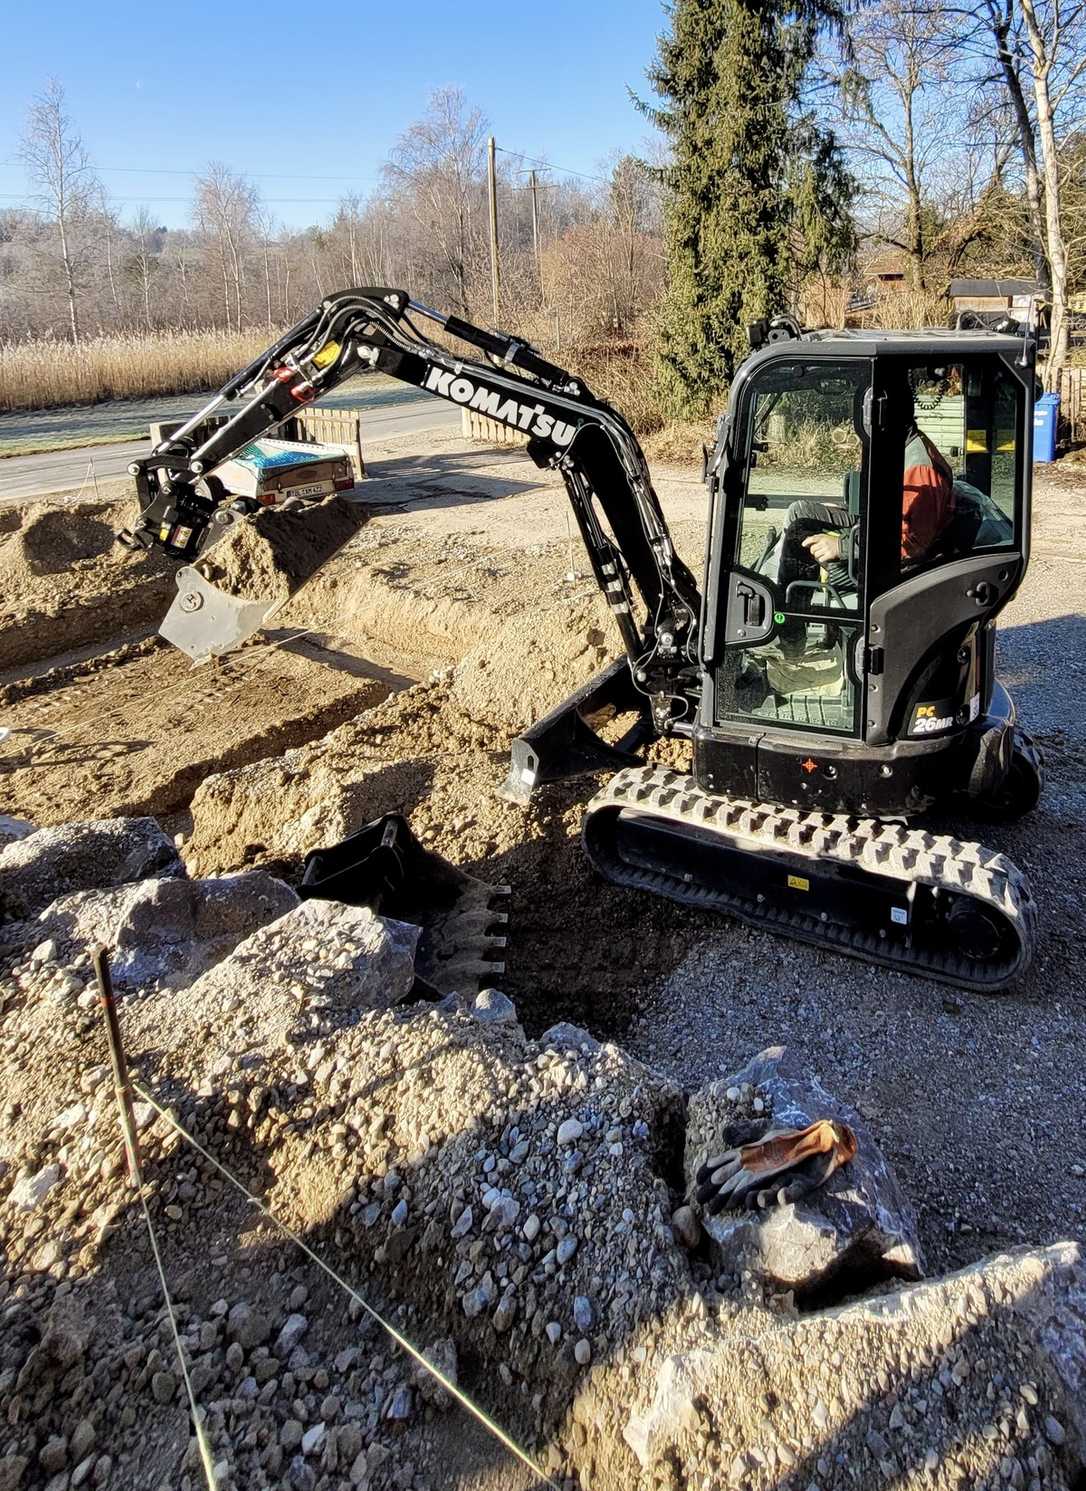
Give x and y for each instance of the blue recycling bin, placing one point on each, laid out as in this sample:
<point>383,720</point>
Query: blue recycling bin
<point>1046,414</point>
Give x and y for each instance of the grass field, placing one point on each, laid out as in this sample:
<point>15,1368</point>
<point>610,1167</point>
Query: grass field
<point>47,374</point>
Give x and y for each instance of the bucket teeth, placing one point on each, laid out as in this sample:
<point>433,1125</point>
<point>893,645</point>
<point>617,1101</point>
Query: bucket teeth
<point>384,866</point>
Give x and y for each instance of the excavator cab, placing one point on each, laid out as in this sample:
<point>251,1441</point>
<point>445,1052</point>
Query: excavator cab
<point>869,519</point>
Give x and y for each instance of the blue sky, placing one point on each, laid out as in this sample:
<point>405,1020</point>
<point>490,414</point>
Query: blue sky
<point>318,90</point>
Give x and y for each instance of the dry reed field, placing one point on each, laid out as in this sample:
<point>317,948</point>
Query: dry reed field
<point>46,373</point>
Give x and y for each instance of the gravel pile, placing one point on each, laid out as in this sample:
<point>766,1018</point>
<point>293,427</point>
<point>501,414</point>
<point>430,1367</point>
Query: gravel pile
<point>515,1206</point>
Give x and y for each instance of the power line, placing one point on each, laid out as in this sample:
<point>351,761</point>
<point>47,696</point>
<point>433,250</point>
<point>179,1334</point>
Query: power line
<point>17,198</point>
<point>257,175</point>
<point>549,165</point>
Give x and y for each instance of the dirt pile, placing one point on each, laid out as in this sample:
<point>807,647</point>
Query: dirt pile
<point>515,676</point>
<point>53,541</point>
<point>964,1382</point>
<point>270,554</point>
<point>575,943</point>
<point>65,582</point>
<point>482,1188</point>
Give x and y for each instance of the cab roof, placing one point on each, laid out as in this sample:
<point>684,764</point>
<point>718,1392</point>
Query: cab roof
<point>939,341</point>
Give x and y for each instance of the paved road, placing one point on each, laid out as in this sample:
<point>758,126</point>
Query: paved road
<point>60,470</point>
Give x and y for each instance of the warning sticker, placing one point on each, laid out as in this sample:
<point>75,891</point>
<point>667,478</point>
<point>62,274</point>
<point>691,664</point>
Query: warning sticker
<point>797,882</point>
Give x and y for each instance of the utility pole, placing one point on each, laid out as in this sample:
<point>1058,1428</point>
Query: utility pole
<point>535,230</point>
<point>492,191</point>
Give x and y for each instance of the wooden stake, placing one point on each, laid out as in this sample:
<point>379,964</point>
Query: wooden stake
<point>122,1087</point>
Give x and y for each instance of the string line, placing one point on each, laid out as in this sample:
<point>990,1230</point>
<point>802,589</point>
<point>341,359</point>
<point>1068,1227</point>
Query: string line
<point>401,1340</point>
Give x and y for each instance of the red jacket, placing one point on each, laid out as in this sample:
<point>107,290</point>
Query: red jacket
<point>927,502</point>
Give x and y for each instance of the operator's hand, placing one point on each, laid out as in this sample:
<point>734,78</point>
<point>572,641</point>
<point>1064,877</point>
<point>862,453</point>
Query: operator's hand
<point>825,547</point>
<point>782,1167</point>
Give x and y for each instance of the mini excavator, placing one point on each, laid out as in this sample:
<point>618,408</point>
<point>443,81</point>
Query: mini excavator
<point>868,519</point>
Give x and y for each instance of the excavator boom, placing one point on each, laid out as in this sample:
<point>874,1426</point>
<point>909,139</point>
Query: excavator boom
<point>652,595</point>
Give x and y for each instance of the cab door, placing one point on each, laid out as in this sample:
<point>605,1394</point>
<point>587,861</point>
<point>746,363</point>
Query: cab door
<point>948,542</point>
<point>787,630</point>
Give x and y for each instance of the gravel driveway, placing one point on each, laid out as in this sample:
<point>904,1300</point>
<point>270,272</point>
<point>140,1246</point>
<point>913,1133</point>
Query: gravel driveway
<point>980,1101</point>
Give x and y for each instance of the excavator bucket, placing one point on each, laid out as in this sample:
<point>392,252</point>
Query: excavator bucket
<point>260,561</point>
<point>205,621</point>
<point>384,866</point>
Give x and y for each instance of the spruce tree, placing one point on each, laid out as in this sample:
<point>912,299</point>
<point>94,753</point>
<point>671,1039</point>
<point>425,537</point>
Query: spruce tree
<point>756,188</point>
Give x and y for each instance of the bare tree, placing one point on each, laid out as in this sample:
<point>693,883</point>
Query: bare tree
<point>265,227</point>
<point>993,26</point>
<point>226,206</point>
<point>1057,41</point>
<point>144,263</point>
<point>895,111</point>
<point>60,168</point>
<point>437,169</point>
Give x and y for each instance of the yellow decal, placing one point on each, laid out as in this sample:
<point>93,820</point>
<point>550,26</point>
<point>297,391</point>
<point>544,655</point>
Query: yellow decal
<point>976,441</point>
<point>328,353</point>
<point>797,882</point>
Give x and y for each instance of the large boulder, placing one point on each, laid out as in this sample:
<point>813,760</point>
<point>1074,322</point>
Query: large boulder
<point>53,862</point>
<point>976,1379</point>
<point>315,969</point>
<point>853,1231</point>
<point>165,932</point>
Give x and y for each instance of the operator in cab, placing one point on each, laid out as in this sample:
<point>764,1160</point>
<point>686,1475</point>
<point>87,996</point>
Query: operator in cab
<point>927,506</point>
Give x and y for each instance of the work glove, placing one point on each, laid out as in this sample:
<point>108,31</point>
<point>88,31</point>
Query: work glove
<point>782,1167</point>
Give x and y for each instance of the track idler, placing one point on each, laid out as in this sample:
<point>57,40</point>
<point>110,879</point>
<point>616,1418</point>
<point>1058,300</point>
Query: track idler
<point>384,866</point>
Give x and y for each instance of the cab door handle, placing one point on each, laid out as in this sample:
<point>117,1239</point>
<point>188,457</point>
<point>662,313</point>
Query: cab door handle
<point>753,606</point>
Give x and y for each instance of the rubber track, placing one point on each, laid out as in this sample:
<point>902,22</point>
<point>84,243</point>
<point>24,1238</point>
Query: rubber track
<point>886,849</point>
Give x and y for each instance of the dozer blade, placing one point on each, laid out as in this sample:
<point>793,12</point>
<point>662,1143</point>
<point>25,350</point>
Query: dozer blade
<point>252,567</point>
<point>384,866</point>
<point>908,899</point>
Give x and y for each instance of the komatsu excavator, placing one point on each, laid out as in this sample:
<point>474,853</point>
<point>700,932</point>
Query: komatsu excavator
<point>868,519</point>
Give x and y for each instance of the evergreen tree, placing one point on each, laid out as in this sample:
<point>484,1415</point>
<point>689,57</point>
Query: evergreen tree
<point>757,191</point>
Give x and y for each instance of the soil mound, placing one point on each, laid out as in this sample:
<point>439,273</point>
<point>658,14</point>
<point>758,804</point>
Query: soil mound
<point>65,582</point>
<point>55,539</point>
<point>276,550</point>
<point>513,676</point>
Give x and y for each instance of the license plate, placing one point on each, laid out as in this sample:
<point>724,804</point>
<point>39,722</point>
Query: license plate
<point>313,490</point>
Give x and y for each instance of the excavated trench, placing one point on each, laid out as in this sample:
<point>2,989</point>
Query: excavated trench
<point>392,682</point>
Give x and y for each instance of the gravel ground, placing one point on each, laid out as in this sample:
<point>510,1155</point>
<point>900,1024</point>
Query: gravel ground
<point>979,1101</point>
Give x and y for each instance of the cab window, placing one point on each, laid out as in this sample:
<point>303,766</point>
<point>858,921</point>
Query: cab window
<point>799,548</point>
<point>958,425</point>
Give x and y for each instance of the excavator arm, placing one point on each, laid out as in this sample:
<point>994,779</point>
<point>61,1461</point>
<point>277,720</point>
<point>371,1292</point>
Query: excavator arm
<point>568,429</point>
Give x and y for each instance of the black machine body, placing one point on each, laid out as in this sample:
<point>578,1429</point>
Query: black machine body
<point>863,681</point>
